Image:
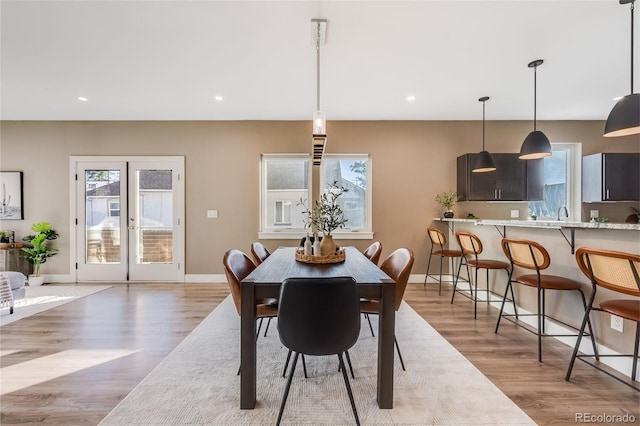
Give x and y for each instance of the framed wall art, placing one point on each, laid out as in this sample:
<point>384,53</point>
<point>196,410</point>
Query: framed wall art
<point>11,197</point>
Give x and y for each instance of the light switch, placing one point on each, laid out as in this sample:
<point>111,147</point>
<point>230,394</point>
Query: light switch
<point>212,214</point>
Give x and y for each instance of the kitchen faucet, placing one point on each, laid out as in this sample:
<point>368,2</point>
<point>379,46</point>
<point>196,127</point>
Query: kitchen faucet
<point>566,212</point>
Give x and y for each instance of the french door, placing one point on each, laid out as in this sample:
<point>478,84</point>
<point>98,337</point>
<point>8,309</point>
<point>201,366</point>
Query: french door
<point>129,218</point>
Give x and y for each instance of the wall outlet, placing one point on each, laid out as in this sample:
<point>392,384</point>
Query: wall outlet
<point>515,214</point>
<point>212,214</point>
<point>594,214</point>
<point>617,323</point>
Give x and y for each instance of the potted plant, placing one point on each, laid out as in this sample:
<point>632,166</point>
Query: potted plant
<point>39,251</point>
<point>4,236</point>
<point>326,216</point>
<point>447,200</point>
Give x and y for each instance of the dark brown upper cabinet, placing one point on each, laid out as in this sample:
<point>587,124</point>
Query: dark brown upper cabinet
<point>611,177</point>
<point>513,180</point>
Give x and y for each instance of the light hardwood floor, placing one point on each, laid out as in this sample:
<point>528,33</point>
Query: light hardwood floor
<point>149,320</point>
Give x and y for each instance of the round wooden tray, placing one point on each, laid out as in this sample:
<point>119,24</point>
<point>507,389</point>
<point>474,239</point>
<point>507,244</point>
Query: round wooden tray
<point>333,258</point>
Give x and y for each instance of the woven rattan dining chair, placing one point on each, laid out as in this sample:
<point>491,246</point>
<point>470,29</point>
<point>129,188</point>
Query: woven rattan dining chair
<point>259,252</point>
<point>398,267</point>
<point>620,273</point>
<point>237,266</point>
<point>471,247</point>
<point>319,316</point>
<point>533,256</point>
<point>373,252</point>
<point>438,244</point>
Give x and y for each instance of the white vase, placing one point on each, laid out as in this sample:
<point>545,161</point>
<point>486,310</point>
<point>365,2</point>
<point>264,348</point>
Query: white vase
<point>35,281</point>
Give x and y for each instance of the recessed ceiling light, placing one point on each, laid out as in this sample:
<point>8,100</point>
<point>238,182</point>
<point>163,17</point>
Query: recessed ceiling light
<point>83,99</point>
<point>411,98</point>
<point>218,98</point>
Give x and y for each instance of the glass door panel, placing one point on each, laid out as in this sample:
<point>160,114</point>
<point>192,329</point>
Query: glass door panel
<point>154,222</point>
<point>100,192</point>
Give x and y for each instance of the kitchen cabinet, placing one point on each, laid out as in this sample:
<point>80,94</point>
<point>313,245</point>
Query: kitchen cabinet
<point>513,180</point>
<point>611,177</point>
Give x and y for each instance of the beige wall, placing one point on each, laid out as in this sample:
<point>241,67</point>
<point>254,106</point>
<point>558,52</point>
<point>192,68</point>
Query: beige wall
<point>412,161</point>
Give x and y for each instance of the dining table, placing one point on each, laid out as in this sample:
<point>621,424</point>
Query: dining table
<point>265,282</point>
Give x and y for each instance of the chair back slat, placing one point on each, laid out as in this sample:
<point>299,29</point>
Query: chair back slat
<point>613,270</point>
<point>526,254</point>
<point>469,243</point>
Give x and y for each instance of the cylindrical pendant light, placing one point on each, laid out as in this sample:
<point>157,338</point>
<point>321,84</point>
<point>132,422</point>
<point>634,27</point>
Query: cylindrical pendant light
<point>319,135</point>
<point>484,162</point>
<point>624,118</point>
<point>536,144</point>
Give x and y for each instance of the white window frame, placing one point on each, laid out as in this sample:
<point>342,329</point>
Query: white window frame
<point>280,232</point>
<point>366,232</point>
<point>574,178</point>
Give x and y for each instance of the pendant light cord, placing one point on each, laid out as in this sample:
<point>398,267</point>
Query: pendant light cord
<point>535,95</point>
<point>483,104</point>
<point>632,7</point>
<point>318,68</point>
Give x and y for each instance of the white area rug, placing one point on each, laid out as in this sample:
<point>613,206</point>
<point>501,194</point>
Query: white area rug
<point>197,383</point>
<point>39,299</point>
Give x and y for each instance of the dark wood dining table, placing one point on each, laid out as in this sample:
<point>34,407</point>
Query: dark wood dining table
<point>265,282</point>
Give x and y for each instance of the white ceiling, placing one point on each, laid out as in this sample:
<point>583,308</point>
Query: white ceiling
<point>166,60</point>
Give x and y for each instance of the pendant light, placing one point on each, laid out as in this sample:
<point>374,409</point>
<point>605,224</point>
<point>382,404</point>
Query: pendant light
<point>484,162</point>
<point>536,145</point>
<point>624,118</point>
<point>318,32</point>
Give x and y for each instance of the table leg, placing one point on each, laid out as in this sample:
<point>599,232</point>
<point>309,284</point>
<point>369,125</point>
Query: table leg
<point>386,333</point>
<point>248,347</point>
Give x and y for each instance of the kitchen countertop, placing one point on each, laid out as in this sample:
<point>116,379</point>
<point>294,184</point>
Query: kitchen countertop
<point>547,224</point>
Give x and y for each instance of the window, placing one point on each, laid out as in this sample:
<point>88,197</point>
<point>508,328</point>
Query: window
<point>284,181</point>
<point>562,173</point>
<point>114,208</point>
<point>283,212</point>
<point>353,172</point>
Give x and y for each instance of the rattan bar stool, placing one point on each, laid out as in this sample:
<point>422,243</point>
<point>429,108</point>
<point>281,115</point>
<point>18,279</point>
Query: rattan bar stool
<point>531,255</point>
<point>618,272</point>
<point>471,247</point>
<point>438,243</point>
